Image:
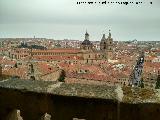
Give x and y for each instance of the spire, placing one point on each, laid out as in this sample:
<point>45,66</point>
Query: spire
<point>109,33</point>
<point>103,37</point>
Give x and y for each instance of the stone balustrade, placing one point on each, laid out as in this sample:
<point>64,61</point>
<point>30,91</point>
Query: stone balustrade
<point>62,101</point>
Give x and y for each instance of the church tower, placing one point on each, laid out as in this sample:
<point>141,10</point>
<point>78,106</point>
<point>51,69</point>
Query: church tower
<point>86,44</point>
<point>109,41</point>
<point>106,46</point>
<point>103,43</point>
<point>109,47</point>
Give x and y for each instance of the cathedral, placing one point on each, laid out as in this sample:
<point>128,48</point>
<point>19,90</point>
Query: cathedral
<point>87,54</point>
<point>90,54</point>
<point>106,46</point>
<point>86,44</point>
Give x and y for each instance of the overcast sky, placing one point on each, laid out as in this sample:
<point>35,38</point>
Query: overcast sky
<point>60,19</point>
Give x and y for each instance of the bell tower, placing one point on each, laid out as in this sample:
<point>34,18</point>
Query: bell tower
<point>109,46</point>
<point>103,43</point>
<point>109,42</point>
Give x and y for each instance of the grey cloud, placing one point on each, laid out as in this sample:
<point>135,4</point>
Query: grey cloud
<point>37,16</point>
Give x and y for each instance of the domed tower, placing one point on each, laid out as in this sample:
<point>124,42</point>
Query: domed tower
<point>86,44</point>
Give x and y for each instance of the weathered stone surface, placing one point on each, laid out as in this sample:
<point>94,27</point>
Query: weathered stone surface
<point>67,101</point>
<point>140,95</point>
<point>93,91</point>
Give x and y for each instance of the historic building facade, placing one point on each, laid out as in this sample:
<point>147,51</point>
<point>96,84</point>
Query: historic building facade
<point>106,46</point>
<point>86,54</point>
<point>91,55</point>
<point>86,44</point>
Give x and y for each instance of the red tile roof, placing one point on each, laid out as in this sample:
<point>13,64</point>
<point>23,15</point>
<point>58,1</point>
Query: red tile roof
<point>51,58</point>
<point>59,50</point>
<point>45,68</point>
<point>21,72</point>
<point>6,61</point>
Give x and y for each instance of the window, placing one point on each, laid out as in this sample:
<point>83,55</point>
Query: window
<point>87,60</point>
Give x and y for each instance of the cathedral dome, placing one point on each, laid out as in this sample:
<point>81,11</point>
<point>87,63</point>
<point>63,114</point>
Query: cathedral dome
<point>86,42</point>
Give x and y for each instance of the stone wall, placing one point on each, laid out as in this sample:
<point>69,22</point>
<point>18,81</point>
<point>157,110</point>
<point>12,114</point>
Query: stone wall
<point>74,101</point>
<point>33,106</point>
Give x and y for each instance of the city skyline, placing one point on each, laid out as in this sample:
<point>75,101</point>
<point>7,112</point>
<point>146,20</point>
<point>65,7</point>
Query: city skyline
<point>67,20</point>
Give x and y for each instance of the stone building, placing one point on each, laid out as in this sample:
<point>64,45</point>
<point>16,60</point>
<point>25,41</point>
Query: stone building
<point>86,44</point>
<point>87,54</point>
<point>92,55</point>
<point>106,46</point>
<point>64,101</point>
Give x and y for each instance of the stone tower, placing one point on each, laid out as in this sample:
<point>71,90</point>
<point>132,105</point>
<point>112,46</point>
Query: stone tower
<point>109,45</point>
<point>103,43</point>
<point>86,44</point>
<point>106,46</point>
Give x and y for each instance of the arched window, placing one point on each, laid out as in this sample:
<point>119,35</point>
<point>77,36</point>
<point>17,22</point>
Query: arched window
<point>87,60</point>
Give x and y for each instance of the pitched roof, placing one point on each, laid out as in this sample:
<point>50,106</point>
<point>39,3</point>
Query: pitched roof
<point>58,50</point>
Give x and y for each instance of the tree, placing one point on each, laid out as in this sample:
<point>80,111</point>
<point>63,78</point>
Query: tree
<point>158,82</point>
<point>62,76</point>
<point>16,66</point>
<point>32,78</point>
<point>142,83</point>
